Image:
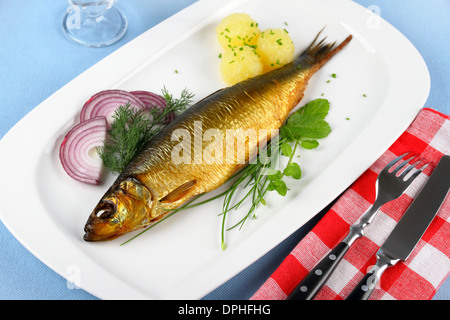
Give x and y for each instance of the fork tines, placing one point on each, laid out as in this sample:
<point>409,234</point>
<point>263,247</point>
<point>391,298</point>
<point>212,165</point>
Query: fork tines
<point>402,171</point>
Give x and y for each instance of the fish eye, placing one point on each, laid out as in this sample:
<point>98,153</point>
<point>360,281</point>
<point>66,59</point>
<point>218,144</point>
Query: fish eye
<point>105,210</point>
<point>100,213</point>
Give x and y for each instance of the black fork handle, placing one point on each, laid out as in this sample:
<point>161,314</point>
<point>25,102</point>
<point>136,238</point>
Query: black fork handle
<point>308,288</point>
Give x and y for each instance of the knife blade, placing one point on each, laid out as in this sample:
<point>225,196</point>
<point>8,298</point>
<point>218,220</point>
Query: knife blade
<point>408,231</point>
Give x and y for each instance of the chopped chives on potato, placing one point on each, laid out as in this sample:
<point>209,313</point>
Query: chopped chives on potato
<point>248,52</point>
<point>275,47</point>
<point>237,30</point>
<point>240,64</point>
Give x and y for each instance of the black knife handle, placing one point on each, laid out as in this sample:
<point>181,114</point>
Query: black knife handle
<point>308,288</point>
<point>365,287</point>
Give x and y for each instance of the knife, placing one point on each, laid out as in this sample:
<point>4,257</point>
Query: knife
<point>408,231</point>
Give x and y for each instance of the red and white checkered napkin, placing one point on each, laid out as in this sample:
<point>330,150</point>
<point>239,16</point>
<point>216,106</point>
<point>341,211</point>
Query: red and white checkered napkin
<point>427,267</point>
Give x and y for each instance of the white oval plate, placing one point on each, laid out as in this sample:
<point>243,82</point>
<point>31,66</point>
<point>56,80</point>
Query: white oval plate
<point>181,257</point>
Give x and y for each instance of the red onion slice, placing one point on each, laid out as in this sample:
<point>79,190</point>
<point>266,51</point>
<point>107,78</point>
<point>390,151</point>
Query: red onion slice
<point>153,100</point>
<point>78,150</point>
<point>78,153</point>
<point>150,99</point>
<point>106,102</point>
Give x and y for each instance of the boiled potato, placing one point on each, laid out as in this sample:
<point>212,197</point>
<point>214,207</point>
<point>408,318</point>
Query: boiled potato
<point>275,47</point>
<point>239,64</point>
<point>237,30</point>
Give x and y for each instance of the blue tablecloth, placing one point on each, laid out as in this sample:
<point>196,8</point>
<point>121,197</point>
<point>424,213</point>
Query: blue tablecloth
<point>36,59</point>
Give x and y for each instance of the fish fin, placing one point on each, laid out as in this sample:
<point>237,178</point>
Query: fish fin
<point>212,94</point>
<point>317,54</point>
<point>179,192</point>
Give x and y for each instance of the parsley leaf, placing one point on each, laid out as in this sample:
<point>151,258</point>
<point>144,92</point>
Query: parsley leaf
<point>308,121</point>
<point>286,149</point>
<point>279,186</point>
<point>310,144</point>
<point>293,170</point>
<point>313,127</point>
<point>318,107</point>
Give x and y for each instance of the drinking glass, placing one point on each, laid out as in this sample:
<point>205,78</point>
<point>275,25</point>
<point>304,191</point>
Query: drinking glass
<point>94,23</point>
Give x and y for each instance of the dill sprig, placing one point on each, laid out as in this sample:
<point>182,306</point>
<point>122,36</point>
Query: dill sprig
<point>128,132</point>
<point>177,105</point>
<point>131,129</point>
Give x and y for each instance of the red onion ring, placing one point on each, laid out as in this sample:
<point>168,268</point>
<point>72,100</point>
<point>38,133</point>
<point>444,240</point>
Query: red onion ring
<point>76,150</point>
<point>104,103</point>
<point>150,99</point>
<point>153,100</point>
<point>95,118</point>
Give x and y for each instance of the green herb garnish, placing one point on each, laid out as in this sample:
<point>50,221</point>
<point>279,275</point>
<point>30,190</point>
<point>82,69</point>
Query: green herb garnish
<point>131,129</point>
<point>302,129</point>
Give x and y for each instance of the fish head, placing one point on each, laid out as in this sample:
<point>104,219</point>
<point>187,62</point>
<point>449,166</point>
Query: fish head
<point>125,207</point>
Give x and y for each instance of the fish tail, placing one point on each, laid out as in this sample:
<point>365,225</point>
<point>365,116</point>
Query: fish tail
<point>317,54</point>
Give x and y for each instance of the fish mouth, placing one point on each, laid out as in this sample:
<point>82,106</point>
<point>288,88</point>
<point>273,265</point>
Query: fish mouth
<point>97,227</point>
<point>95,231</point>
<point>91,236</point>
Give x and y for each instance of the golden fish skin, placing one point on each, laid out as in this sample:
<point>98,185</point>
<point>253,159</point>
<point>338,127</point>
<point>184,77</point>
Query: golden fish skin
<point>153,183</point>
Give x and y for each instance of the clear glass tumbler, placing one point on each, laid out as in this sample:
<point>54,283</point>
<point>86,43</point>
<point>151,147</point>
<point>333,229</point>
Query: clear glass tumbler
<point>94,23</point>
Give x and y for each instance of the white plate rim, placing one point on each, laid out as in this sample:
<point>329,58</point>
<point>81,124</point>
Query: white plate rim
<point>40,244</point>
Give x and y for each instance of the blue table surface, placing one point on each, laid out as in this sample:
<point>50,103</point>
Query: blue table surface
<point>36,59</point>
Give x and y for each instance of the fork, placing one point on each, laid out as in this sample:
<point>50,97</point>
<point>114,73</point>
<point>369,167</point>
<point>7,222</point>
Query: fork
<point>389,186</point>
